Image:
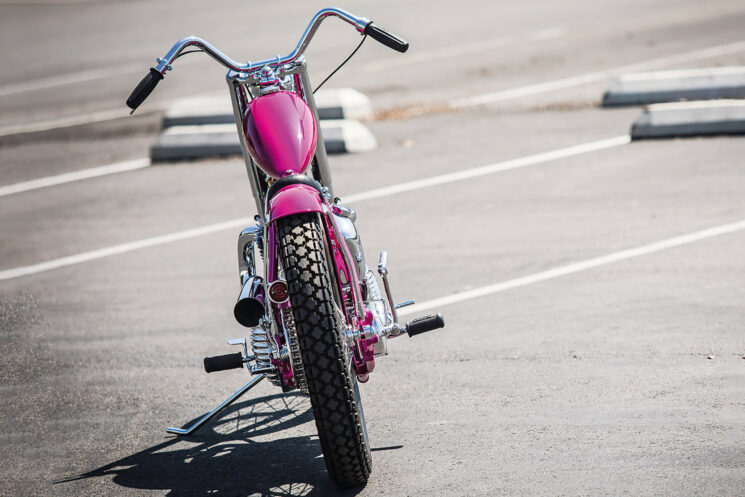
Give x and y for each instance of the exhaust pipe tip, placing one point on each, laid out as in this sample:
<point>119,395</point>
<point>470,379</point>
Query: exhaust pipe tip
<point>248,312</point>
<point>251,303</point>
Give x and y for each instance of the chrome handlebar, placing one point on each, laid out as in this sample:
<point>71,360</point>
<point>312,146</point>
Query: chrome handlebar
<point>164,63</point>
<point>360,23</point>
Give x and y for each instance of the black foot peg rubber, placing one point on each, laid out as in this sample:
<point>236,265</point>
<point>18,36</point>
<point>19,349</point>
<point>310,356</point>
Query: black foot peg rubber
<point>223,362</point>
<point>424,324</point>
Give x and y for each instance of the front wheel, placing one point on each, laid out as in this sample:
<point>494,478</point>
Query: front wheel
<point>334,394</point>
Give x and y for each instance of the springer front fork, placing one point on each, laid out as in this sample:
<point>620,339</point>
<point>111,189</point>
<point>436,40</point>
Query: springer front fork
<point>371,318</point>
<point>271,350</point>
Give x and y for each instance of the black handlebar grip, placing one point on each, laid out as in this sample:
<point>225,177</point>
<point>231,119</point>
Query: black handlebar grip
<point>387,38</point>
<point>223,362</point>
<point>146,86</point>
<point>425,324</point>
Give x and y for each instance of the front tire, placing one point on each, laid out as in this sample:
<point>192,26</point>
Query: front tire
<point>334,394</point>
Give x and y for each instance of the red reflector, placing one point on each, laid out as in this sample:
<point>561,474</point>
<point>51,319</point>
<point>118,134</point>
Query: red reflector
<point>278,291</point>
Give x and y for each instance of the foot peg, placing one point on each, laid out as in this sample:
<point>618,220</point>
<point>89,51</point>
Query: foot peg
<point>229,361</point>
<point>223,362</point>
<point>424,324</point>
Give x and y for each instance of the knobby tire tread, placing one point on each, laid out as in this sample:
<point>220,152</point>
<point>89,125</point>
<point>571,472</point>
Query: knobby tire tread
<point>340,431</point>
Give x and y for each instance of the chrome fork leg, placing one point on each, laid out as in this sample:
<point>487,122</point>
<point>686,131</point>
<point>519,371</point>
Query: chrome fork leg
<point>188,431</point>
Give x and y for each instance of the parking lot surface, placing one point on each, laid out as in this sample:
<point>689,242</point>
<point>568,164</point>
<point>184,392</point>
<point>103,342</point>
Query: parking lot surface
<point>625,377</point>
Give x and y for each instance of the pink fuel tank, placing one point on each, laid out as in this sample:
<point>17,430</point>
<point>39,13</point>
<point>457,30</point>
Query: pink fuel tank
<point>280,133</point>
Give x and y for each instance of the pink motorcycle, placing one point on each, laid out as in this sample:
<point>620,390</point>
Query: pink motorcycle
<point>316,315</point>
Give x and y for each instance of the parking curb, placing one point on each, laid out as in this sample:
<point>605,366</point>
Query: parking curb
<point>674,86</point>
<point>685,119</point>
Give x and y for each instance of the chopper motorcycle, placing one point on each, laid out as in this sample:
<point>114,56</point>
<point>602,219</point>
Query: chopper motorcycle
<point>316,316</point>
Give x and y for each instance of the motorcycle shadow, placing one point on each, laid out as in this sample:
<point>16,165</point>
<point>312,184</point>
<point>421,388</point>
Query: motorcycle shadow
<point>225,457</point>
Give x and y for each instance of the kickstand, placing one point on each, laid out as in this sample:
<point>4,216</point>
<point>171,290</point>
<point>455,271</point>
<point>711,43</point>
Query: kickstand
<point>245,388</point>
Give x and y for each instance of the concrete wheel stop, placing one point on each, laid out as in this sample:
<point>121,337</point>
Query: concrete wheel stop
<point>674,86</point>
<point>686,119</point>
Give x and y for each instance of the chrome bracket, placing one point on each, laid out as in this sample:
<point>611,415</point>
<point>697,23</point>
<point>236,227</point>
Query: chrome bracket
<point>168,67</point>
<point>343,211</point>
<point>242,341</point>
<point>393,331</point>
<point>383,271</point>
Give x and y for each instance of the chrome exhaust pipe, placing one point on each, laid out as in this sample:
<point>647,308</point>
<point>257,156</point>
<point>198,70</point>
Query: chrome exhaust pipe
<point>251,305</point>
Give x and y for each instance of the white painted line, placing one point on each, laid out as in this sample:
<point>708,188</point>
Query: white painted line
<point>490,169</point>
<point>462,49</point>
<point>89,118</point>
<point>122,249</point>
<point>593,77</point>
<point>59,179</point>
<point>64,122</point>
<point>67,79</point>
<point>83,76</point>
<point>380,192</point>
<point>576,267</point>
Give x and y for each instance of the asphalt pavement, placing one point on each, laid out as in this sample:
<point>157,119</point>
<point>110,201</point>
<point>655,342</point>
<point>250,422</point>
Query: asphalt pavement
<point>618,375</point>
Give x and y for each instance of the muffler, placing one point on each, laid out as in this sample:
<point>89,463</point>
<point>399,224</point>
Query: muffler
<point>251,305</point>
